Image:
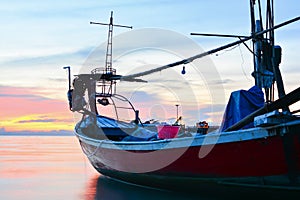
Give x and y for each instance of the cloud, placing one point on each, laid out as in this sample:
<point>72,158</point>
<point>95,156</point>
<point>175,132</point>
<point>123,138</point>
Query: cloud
<point>24,97</point>
<point>60,80</point>
<point>37,133</point>
<point>211,113</point>
<point>209,110</point>
<point>21,93</point>
<point>46,59</point>
<point>55,33</point>
<point>37,120</point>
<point>17,101</point>
<point>223,82</point>
<point>2,130</point>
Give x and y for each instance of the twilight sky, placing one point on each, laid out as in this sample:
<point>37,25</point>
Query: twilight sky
<point>38,38</point>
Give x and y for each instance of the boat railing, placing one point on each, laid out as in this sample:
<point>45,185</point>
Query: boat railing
<point>109,70</point>
<point>112,101</point>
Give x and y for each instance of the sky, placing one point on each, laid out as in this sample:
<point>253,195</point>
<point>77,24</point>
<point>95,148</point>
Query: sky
<point>39,38</point>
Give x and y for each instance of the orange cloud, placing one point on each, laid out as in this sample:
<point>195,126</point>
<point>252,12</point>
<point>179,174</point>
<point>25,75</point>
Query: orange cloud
<point>22,109</point>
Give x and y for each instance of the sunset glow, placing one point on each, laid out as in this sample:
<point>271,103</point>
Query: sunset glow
<point>23,110</point>
<point>39,38</point>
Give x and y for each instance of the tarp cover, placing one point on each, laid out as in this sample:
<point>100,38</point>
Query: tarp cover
<point>242,103</point>
<point>141,134</point>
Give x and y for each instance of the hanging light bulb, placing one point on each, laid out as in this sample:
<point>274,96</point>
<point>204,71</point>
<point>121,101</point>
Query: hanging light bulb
<point>183,70</point>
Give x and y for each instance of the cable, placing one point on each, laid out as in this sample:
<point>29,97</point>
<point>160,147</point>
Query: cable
<point>242,64</point>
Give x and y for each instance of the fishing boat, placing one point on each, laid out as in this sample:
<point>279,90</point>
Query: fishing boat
<point>256,148</point>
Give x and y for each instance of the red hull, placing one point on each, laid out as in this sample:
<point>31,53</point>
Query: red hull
<point>233,159</point>
<point>263,156</point>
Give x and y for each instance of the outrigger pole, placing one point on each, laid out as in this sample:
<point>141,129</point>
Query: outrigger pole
<point>219,35</point>
<point>191,59</point>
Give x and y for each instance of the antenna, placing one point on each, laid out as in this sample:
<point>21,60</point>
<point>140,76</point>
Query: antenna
<point>69,76</point>
<point>106,84</point>
<point>108,58</point>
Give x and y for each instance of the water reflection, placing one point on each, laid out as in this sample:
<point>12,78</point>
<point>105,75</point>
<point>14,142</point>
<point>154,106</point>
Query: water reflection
<point>105,188</point>
<point>108,189</point>
<point>43,168</point>
<point>91,188</point>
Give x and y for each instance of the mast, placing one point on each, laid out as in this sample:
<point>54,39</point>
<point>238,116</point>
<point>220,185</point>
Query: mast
<point>266,55</point>
<point>108,58</point>
<point>104,86</point>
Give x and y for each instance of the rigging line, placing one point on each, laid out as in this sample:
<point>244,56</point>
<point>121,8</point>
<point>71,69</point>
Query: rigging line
<point>88,155</point>
<point>242,64</point>
<point>227,50</point>
<point>201,55</point>
<point>248,48</point>
<point>232,48</point>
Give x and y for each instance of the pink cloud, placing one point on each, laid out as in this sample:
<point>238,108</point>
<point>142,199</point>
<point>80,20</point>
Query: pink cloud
<point>16,102</point>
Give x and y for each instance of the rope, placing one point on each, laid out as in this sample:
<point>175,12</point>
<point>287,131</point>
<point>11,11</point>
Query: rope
<point>92,154</point>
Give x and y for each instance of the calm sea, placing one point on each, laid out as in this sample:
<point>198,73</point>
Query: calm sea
<point>54,167</point>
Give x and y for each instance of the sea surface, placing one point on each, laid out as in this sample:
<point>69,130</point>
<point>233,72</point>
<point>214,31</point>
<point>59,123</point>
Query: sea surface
<point>54,168</point>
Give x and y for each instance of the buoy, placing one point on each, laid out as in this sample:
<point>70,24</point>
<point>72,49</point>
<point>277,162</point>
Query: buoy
<point>183,70</point>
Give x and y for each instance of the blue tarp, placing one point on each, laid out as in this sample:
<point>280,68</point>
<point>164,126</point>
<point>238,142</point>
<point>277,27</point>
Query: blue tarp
<point>242,103</point>
<point>141,134</point>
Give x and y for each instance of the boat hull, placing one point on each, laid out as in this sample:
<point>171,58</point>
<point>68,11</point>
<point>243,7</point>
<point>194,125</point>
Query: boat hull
<point>251,187</point>
<point>258,157</point>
